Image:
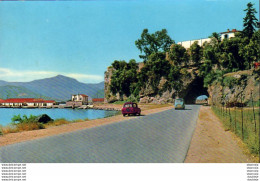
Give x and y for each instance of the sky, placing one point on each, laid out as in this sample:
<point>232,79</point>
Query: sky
<point>80,39</point>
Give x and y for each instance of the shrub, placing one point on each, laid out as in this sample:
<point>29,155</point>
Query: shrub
<point>1,130</point>
<point>24,123</point>
<point>30,126</point>
<point>132,98</point>
<point>230,81</point>
<point>58,122</point>
<point>9,129</point>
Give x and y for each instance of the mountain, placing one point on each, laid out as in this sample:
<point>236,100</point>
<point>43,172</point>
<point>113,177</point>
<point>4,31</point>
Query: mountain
<point>2,83</point>
<point>10,91</point>
<point>59,87</point>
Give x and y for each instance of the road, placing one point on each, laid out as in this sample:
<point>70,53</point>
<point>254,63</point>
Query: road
<point>157,138</point>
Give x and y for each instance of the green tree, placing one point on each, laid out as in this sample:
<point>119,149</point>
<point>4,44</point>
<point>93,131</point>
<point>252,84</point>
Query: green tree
<point>251,51</point>
<point>16,119</point>
<point>174,79</point>
<point>159,41</point>
<point>215,37</point>
<point>155,68</point>
<point>195,52</point>
<point>230,59</point>
<point>124,75</point>
<point>178,54</point>
<point>209,59</point>
<point>250,21</point>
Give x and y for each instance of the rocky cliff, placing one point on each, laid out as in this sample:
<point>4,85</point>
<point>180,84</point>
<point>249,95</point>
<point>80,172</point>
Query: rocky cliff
<point>236,87</point>
<point>191,88</point>
<point>232,87</point>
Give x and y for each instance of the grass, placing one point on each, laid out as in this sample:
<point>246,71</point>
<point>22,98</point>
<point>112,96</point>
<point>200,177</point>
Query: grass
<point>119,102</point>
<point>57,122</point>
<point>62,121</point>
<point>8,129</point>
<point>232,120</point>
<point>21,127</point>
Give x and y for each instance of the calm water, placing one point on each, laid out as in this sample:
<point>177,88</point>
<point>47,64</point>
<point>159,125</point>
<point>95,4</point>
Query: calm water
<point>6,114</point>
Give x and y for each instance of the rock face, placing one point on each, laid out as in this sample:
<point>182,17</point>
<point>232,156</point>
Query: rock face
<point>247,82</point>
<point>109,97</point>
<point>192,87</point>
<point>240,83</point>
<point>44,118</point>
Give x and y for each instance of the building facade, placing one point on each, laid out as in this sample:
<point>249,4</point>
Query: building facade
<point>187,44</point>
<point>228,34</point>
<point>29,102</point>
<point>98,100</point>
<point>78,100</point>
<point>223,35</point>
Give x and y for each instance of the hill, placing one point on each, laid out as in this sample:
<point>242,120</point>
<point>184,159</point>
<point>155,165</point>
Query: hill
<point>59,87</point>
<point>9,91</point>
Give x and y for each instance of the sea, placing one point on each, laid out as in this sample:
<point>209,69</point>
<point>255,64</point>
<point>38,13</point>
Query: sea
<point>6,114</point>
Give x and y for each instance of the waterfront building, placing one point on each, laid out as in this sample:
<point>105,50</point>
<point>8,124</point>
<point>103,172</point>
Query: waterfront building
<point>78,100</point>
<point>98,100</point>
<point>30,102</point>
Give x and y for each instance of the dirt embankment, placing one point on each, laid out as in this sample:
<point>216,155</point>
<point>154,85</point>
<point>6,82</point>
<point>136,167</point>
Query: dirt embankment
<point>212,144</point>
<point>30,135</point>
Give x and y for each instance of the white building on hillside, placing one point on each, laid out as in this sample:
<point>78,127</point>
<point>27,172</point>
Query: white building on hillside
<point>228,34</point>
<point>187,44</point>
<point>223,35</point>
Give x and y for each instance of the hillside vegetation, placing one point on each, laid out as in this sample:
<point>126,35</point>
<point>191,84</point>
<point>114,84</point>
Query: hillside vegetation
<point>10,91</point>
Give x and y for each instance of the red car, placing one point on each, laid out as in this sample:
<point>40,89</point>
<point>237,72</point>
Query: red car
<point>131,108</point>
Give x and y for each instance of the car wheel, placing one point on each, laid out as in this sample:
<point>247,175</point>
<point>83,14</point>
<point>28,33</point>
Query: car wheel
<point>123,114</point>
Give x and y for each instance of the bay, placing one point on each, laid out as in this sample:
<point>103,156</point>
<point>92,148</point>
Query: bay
<point>6,114</point>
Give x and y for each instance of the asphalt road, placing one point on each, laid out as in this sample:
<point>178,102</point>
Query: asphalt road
<point>157,138</point>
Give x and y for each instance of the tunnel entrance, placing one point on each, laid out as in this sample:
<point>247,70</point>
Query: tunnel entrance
<point>202,100</point>
<point>194,90</point>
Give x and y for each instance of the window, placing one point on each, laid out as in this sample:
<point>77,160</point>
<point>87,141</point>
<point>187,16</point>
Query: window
<point>226,36</point>
<point>128,105</point>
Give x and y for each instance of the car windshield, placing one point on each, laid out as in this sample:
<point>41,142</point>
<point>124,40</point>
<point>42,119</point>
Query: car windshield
<point>128,105</point>
<point>178,101</point>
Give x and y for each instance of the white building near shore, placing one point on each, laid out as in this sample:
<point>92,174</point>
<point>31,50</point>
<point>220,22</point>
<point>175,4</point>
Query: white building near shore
<point>78,100</point>
<point>30,102</point>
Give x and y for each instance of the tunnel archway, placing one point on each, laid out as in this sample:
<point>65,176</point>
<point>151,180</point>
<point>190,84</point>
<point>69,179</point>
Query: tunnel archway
<point>194,90</point>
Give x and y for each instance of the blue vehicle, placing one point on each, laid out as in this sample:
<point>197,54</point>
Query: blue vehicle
<point>179,104</point>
